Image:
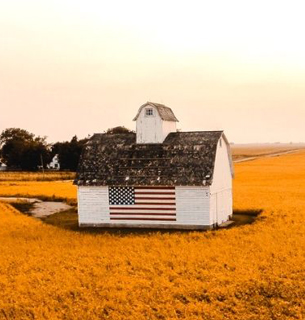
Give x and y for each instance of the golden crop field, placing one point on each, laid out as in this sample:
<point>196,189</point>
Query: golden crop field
<point>64,190</point>
<point>36,176</point>
<point>255,271</point>
<point>241,151</point>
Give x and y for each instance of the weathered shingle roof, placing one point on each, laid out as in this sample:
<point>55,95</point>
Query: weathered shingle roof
<point>165,113</point>
<point>184,158</point>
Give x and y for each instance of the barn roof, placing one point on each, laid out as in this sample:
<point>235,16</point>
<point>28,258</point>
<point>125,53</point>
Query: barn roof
<point>165,113</point>
<point>184,158</point>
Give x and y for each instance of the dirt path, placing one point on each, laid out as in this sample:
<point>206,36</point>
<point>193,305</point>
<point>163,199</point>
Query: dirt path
<point>40,208</point>
<point>46,208</point>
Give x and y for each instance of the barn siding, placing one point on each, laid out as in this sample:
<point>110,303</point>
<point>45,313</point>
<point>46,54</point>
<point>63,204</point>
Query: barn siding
<point>193,205</point>
<point>93,207</point>
<point>152,129</point>
<point>221,188</point>
<point>149,129</point>
<point>192,208</point>
<point>221,206</point>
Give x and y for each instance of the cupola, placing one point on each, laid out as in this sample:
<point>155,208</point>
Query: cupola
<point>154,122</point>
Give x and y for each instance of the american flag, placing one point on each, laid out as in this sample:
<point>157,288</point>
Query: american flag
<point>142,203</point>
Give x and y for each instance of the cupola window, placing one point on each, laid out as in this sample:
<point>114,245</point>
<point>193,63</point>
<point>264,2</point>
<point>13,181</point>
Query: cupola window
<point>149,112</point>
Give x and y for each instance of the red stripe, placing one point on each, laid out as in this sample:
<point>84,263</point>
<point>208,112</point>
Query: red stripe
<point>136,208</point>
<point>152,211</point>
<point>145,188</point>
<point>142,214</point>
<point>155,203</point>
<point>155,198</point>
<point>151,219</point>
<point>156,193</point>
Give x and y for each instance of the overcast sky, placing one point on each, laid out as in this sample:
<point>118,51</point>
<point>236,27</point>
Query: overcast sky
<point>80,67</point>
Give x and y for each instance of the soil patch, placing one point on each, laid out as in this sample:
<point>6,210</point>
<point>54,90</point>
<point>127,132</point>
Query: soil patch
<point>35,207</point>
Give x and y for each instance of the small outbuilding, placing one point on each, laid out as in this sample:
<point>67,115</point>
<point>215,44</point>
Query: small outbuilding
<point>3,166</point>
<point>54,164</point>
<point>157,177</point>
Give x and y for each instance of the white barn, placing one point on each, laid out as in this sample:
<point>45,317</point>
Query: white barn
<point>54,164</point>
<point>3,166</point>
<point>156,177</point>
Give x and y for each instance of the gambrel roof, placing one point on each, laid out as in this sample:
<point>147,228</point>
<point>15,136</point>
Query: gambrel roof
<point>165,113</point>
<point>183,159</point>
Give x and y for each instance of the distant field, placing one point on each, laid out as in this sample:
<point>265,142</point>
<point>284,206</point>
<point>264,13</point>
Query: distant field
<point>253,272</point>
<point>44,190</point>
<point>36,176</point>
<point>241,151</point>
<point>56,186</point>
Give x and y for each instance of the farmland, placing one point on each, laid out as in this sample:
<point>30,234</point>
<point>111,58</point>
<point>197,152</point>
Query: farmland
<point>250,272</point>
<point>56,186</point>
<point>53,190</point>
<point>243,151</point>
<point>36,176</point>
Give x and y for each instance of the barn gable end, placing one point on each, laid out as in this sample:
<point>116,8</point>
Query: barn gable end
<point>221,187</point>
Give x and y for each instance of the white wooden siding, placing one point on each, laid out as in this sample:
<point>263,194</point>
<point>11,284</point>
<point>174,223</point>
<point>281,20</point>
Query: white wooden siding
<point>192,208</point>
<point>193,205</point>
<point>152,129</point>
<point>220,206</point>
<point>93,206</point>
<point>221,188</point>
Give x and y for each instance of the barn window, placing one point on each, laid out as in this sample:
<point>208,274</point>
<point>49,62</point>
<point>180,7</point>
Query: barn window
<point>149,112</point>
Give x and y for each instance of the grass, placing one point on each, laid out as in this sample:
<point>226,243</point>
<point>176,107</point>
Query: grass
<point>70,201</point>
<point>253,272</point>
<point>46,191</point>
<point>242,151</point>
<point>66,220</point>
<point>69,220</point>
<point>243,217</point>
<point>36,176</point>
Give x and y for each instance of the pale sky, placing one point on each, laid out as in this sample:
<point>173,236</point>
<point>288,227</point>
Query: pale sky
<point>80,67</point>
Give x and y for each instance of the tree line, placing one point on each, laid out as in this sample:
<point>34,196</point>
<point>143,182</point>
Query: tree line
<point>20,149</point>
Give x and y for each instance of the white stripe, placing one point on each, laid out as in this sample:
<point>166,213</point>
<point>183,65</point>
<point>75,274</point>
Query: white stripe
<point>138,205</point>
<point>141,211</point>
<point>154,190</point>
<point>139,196</point>
<point>152,201</point>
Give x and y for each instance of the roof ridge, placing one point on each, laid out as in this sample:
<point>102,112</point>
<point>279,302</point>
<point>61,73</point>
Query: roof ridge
<point>198,131</point>
<point>182,159</point>
<point>165,113</point>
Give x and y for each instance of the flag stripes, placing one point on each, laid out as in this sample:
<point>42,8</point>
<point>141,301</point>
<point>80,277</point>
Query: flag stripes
<point>142,203</point>
<point>141,218</point>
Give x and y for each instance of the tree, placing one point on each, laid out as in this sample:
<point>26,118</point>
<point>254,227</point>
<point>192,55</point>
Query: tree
<point>21,149</point>
<point>119,129</point>
<point>69,153</point>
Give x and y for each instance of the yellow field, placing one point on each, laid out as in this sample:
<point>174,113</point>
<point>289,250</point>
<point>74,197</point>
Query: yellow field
<point>240,151</point>
<point>250,272</point>
<point>36,176</point>
<point>56,189</point>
